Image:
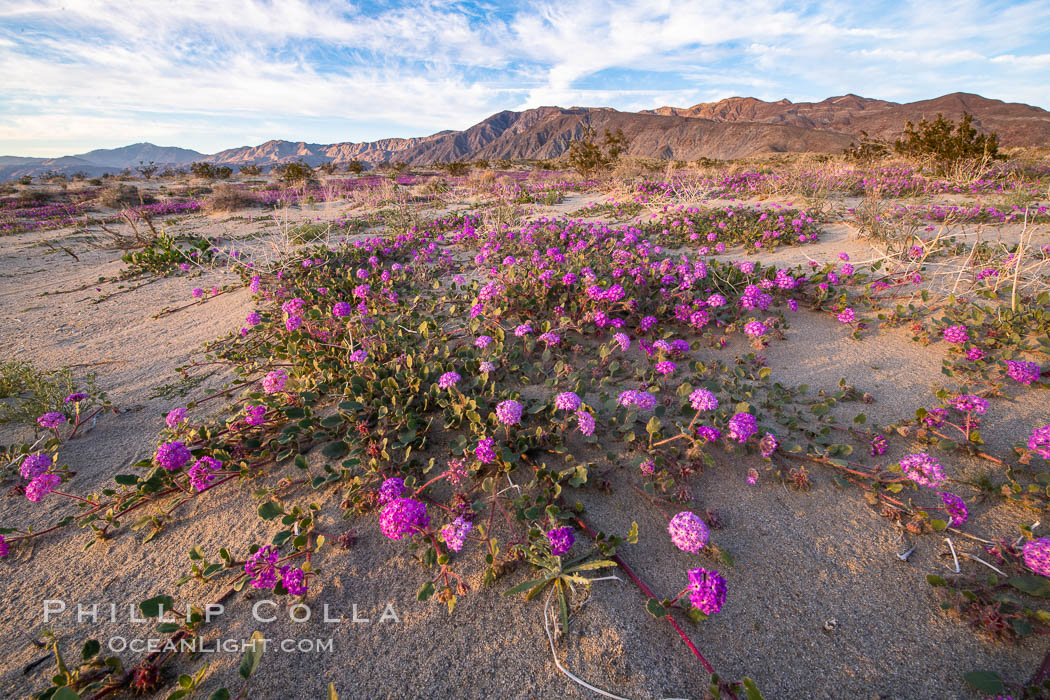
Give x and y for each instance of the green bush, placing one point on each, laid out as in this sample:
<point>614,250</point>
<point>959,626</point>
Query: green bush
<point>588,157</point>
<point>946,143</point>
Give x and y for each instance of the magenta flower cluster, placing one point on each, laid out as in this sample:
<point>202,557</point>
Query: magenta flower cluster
<point>923,470</point>
<point>742,426</point>
<point>403,516</point>
<point>561,540</point>
<point>688,532</point>
<point>707,590</point>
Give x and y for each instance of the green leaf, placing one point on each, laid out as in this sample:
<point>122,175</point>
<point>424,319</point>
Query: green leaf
<point>270,510</point>
<point>654,608</point>
<point>335,449</point>
<point>987,682</point>
<point>64,693</point>
<point>425,592</point>
<point>935,580</point>
<point>220,694</point>
<point>252,657</point>
<point>152,607</point>
<point>91,647</point>
<point>524,586</point>
<point>1032,585</point>
<point>126,479</point>
<point>938,524</point>
<point>752,690</point>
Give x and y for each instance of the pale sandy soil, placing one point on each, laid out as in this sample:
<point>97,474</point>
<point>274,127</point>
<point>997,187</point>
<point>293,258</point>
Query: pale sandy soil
<point>802,558</point>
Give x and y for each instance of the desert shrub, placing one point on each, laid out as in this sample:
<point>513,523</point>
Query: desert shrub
<point>34,196</point>
<point>588,157</point>
<point>945,143</point>
<point>210,172</point>
<point>27,392</point>
<point>95,182</point>
<point>25,180</point>
<point>355,166</point>
<point>252,170</point>
<point>867,151</point>
<point>147,171</point>
<point>119,196</point>
<point>163,254</point>
<point>435,186</point>
<point>455,168</point>
<point>326,168</point>
<point>297,172</point>
<point>483,177</point>
<point>481,163</point>
<point>227,197</point>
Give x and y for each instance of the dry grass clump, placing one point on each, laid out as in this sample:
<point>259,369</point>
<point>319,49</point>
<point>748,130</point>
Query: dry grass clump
<point>226,197</point>
<point>482,177</point>
<point>120,195</point>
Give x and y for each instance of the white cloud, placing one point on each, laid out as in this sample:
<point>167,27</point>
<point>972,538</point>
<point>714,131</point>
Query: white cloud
<point>205,71</point>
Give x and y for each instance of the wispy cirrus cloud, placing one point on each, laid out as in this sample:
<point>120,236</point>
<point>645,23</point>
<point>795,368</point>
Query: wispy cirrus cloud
<point>81,74</point>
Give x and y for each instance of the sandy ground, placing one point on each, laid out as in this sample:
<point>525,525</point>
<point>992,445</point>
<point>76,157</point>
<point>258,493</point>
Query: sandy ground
<point>819,605</point>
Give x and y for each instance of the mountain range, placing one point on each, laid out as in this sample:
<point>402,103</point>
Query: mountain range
<point>731,128</point>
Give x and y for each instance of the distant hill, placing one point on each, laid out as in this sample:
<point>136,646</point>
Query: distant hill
<point>130,156</point>
<point>98,162</point>
<point>545,132</point>
<point>1017,124</point>
<point>732,128</point>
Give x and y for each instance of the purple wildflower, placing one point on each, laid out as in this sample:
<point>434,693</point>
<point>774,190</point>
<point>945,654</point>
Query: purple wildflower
<point>455,533</point>
<point>586,422</point>
<point>391,490</point>
<point>274,381</point>
<point>202,473</point>
<point>293,580</point>
<point>255,415</point>
<point>956,334</point>
<point>567,401</point>
<point>1039,441</point>
<point>703,400</point>
<point>755,329</point>
<point>688,532</point>
<point>509,412</point>
<point>1026,373</point>
<point>172,455</point>
<point>969,403</point>
<point>878,445</point>
<point>707,590</point>
<point>448,380</point>
<point>342,309</point>
<point>175,417</point>
<point>923,470</point>
<point>261,567</point>
<point>955,508</point>
<point>742,426</point>
<point>768,445</point>
<point>76,397</point>
<point>34,465</point>
<point>51,420</point>
<point>41,486</point>
<point>486,450</point>
<point>1037,555</point>
<point>708,433</point>
<point>561,539</point>
<point>402,517</point>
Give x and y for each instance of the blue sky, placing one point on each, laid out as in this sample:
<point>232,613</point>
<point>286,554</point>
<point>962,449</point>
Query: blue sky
<point>214,74</point>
